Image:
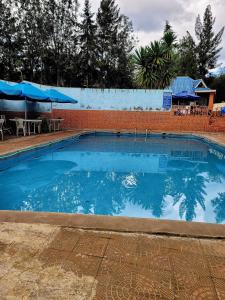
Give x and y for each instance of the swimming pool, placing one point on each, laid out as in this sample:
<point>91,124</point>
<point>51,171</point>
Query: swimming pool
<point>166,177</point>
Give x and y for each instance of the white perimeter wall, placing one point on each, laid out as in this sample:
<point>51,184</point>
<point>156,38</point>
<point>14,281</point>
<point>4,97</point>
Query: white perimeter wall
<point>97,99</point>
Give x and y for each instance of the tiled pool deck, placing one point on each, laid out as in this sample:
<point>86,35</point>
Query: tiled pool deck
<point>65,256</point>
<point>22,143</point>
<point>43,261</point>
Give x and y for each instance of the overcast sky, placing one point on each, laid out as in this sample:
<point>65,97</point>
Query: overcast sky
<point>149,16</point>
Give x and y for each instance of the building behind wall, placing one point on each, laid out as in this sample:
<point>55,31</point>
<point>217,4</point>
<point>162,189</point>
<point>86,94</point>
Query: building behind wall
<point>196,87</point>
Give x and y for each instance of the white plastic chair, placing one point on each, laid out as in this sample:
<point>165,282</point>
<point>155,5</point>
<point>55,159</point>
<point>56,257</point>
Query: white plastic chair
<point>1,128</point>
<point>20,125</point>
<point>6,129</point>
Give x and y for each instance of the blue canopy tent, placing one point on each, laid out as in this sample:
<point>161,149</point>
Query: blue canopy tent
<point>9,90</point>
<point>185,95</point>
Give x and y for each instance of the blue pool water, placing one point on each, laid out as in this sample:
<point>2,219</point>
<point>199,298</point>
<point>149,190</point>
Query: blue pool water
<point>161,177</point>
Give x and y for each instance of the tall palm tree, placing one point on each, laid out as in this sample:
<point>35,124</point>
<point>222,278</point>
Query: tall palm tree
<point>154,64</point>
<point>151,65</point>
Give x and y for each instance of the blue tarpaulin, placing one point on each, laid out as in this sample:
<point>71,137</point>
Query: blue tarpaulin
<point>56,96</point>
<point>9,90</point>
<point>185,95</point>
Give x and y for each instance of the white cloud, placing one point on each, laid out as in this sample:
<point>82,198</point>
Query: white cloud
<point>149,16</point>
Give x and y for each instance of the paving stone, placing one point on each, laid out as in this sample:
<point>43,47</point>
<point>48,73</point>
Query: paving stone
<point>82,265</point>
<point>113,292</point>
<point>57,283</point>
<point>117,292</point>
<point>21,250</point>
<point>217,266</point>
<point>198,293</point>
<point>2,247</point>
<point>220,288</point>
<point>117,273</point>
<point>122,249</point>
<point>193,286</point>
<point>189,263</point>
<point>148,245</point>
<point>213,247</point>
<point>155,283</point>
<point>158,259</point>
<point>5,268</point>
<point>182,245</point>
<point>91,244</point>
<point>53,257</point>
<point>65,240</point>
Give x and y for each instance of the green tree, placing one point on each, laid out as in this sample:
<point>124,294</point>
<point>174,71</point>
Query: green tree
<point>125,46</point>
<point>149,62</point>
<point>218,83</point>
<point>208,47</point>
<point>169,37</point>
<point>107,19</point>
<point>115,43</point>
<point>10,43</point>
<point>169,41</point>
<point>154,64</point>
<point>88,45</point>
<point>63,33</point>
<point>187,63</point>
<point>31,28</point>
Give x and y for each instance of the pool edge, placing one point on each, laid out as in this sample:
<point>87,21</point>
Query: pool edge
<point>42,145</point>
<point>118,224</point>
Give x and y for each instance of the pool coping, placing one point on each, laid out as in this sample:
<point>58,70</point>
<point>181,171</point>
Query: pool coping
<point>115,223</point>
<point>118,224</point>
<point>42,145</point>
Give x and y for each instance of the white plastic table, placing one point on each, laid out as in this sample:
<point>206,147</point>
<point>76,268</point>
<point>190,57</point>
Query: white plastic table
<point>55,124</point>
<point>29,123</point>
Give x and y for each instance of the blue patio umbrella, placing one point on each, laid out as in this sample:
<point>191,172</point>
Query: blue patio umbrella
<point>31,92</point>
<point>56,96</point>
<point>185,95</point>
<point>9,90</point>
